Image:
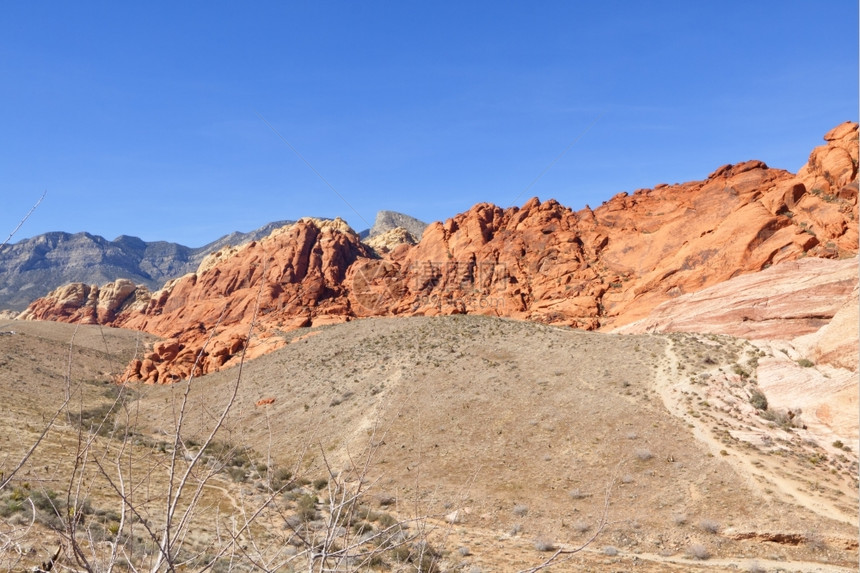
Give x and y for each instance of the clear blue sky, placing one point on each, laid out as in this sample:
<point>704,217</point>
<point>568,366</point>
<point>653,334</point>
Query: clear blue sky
<point>141,118</point>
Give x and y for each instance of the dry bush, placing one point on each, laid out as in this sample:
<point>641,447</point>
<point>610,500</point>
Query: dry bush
<point>698,551</point>
<point>581,526</point>
<point>643,454</point>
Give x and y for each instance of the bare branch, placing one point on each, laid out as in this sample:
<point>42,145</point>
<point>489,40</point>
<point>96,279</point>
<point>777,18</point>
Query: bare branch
<point>27,216</point>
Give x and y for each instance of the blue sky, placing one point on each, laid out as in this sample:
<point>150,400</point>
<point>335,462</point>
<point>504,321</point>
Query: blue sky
<point>142,118</point>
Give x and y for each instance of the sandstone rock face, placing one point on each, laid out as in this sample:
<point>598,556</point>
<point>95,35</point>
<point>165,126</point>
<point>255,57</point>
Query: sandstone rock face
<point>592,269</point>
<point>90,304</point>
<point>292,278</point>
<point>836,343</point>
<point>793,299</point>
<point>610,266</point>
<point>386,242</point>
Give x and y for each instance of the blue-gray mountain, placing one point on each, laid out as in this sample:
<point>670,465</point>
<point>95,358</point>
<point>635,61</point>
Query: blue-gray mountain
<point>388,220</point>
<point>33,267</point>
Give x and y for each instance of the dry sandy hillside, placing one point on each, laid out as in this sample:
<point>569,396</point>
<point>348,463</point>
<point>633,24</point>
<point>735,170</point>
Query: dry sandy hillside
<point>471,444</point>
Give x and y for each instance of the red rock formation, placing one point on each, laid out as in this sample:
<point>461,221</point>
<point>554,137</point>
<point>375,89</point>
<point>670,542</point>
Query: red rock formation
<point>591,269</point>
<point>89,304</point>
<point>611,266</point>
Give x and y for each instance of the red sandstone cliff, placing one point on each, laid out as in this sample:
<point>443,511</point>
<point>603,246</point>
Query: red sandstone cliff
<point>598,268</point>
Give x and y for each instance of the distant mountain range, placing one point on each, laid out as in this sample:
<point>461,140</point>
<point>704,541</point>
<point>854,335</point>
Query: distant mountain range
<point>388,220</point>
<point>33,267</point>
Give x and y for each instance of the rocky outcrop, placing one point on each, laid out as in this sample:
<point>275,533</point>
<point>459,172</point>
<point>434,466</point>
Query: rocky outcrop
<point>294,277</point>
<point>90,304</point>
<point>592,269</point>
<point>836,342</point>
<point>609,266</point>
<point>389,240</point>
<point>784,302</point>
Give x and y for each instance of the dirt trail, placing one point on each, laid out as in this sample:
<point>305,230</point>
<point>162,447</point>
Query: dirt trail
<point>740,564</point>
<point>671,387</point>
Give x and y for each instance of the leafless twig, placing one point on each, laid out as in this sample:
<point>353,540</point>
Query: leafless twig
<point>24,220</point>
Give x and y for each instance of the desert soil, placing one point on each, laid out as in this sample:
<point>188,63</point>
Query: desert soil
<point>504,436</point>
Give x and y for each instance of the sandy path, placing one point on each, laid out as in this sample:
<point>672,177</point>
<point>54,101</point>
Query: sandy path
<point>670,387</point>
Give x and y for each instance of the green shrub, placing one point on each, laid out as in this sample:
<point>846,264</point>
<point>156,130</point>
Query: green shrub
<point>320,483</point>
<point>238,475</point>
<point>386,520</point>
<point>307,506</point>
<point>280,478</point>
<point>758,399</point>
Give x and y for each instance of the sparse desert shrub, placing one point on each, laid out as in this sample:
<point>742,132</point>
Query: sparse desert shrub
<point>307,507</point>
<point>280,478</point>
<point>577,494</point>
<point>237,474</point>
<point>424,557</point>
<point>521,510</point>
<point>644,454</point>
<point>805,363</point>
<point>386,520</point>
<point>320,483</point>
<point>756,568</point>
<point>709,525</point>
<point>360,527</point>
<point>544,544</point>
<point>679,519</point>
<point>10,507</point>
<point>758,399</point>
<point>46,500</point>
<point>610,551</point>
<point>515,529</point>
<point>740,371</point>
<point>464,551</point>
<point>401,553</point>
<point>698,551</point>
<point>581,526</point>
<point>838,444</point>
<point>627,478</point>
<point>785,419</point>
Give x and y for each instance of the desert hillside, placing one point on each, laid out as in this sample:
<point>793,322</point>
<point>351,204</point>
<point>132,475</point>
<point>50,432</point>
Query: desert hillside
<point>597,268</point>
<point>488,442</point>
